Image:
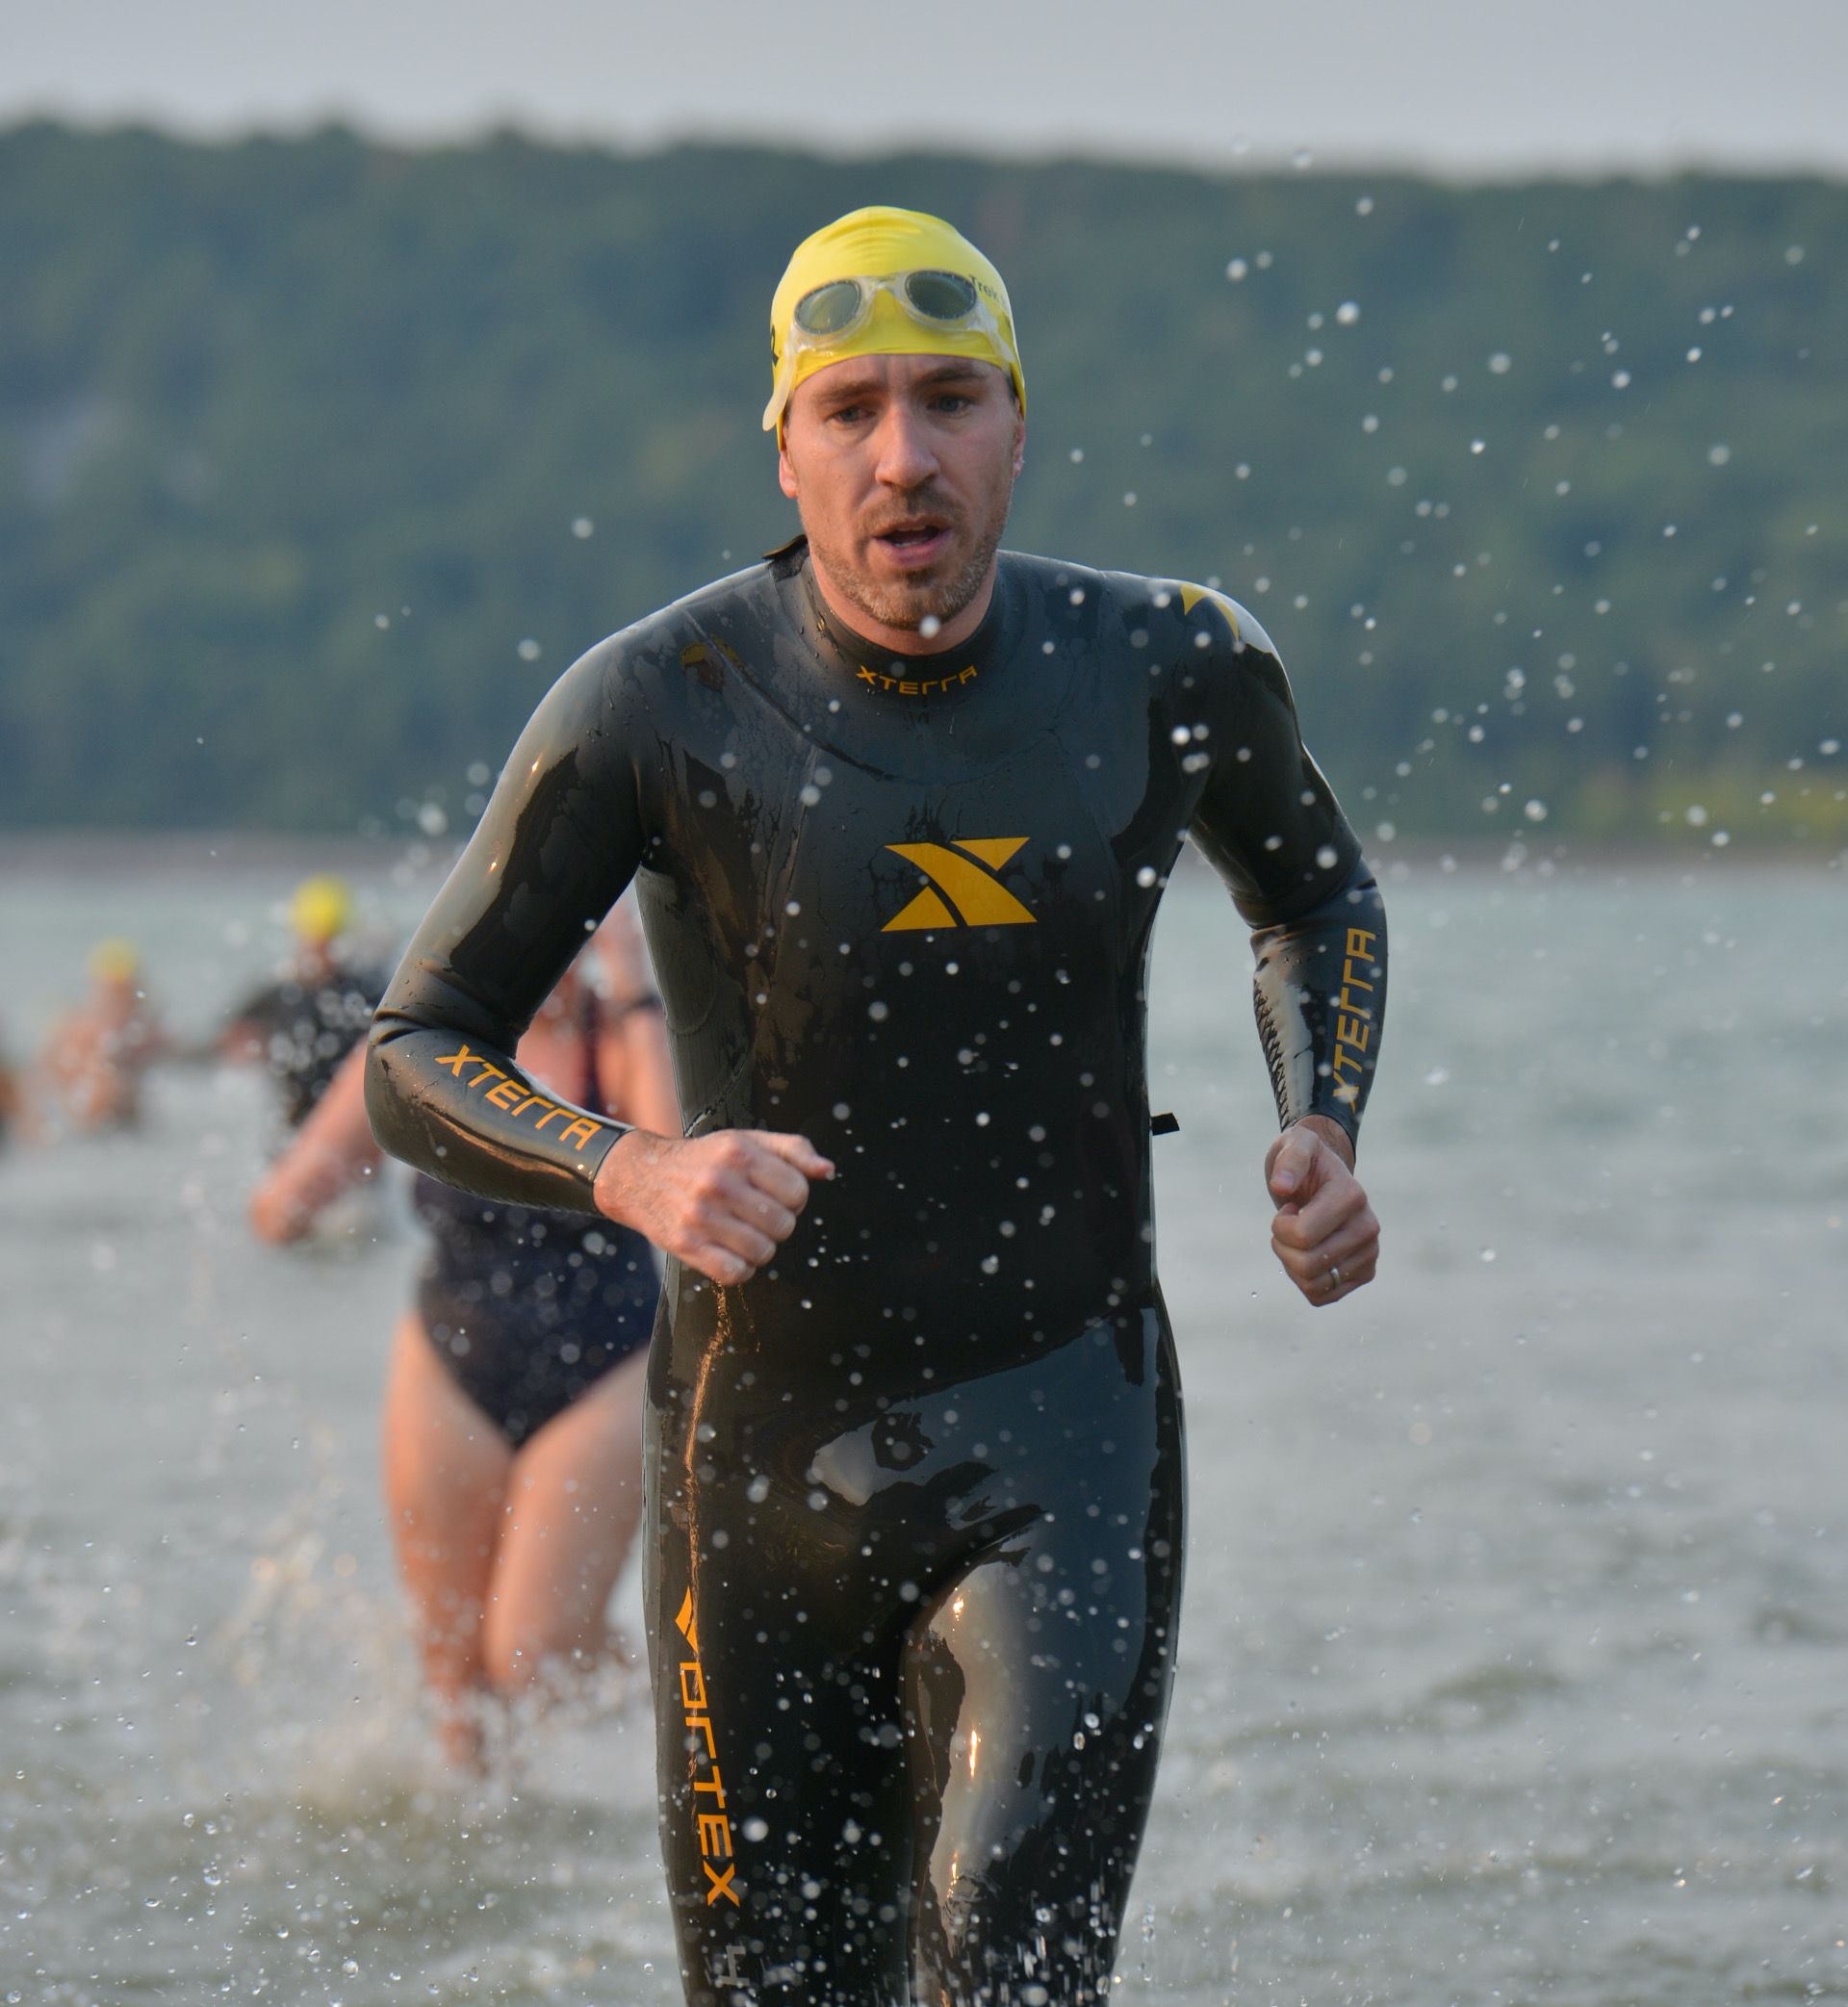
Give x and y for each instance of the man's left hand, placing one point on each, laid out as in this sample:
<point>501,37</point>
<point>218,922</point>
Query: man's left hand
<point>1325,1232</point>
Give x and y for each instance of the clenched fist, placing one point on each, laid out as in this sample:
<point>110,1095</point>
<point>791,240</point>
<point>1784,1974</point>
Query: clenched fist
<point>722,1203</point>
<point>1325,1232</point>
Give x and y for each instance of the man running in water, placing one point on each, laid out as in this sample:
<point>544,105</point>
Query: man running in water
<point>94,1058</point>
<point>303,1024</point>
<point>900,810</point>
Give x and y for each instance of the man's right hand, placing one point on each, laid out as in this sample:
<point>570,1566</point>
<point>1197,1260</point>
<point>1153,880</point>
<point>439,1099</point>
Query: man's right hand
<point>721,1204</point>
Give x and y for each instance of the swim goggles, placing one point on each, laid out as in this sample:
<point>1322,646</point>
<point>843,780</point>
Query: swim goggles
<point>831,315</point>
<point>837,311</point>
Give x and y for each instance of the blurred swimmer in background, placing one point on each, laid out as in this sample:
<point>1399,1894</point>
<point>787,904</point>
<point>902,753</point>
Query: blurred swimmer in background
<point>12,1100</point>
<point>88,1073</point>
<point>512,1437</point>
<point>306,1022</point>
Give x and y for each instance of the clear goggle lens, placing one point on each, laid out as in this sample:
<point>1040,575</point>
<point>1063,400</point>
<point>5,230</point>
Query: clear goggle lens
<point>939,298</point>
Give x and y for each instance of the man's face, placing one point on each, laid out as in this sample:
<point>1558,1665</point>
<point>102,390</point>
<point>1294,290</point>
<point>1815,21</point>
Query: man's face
<point>903,467</point>
<point>116,1000</point>
<point>314,960</point>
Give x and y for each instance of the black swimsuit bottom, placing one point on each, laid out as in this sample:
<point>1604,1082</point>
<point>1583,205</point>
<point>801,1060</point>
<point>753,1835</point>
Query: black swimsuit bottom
<point>529,1308</point>
<point>915,1489</point>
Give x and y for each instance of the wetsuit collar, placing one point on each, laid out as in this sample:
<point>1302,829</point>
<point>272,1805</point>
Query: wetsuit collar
<point>948,673</point>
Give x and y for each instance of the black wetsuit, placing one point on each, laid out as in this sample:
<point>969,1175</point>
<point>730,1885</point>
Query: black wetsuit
<point>308,1028</point>
<point>916,1489</point>
<point>528,1308</point>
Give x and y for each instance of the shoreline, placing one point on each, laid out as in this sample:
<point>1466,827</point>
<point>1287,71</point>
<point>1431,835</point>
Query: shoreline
<point>112,852</point>
<point>121,853</point>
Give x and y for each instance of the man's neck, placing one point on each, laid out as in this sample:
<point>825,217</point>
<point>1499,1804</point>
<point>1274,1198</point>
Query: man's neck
<point>904,641</point>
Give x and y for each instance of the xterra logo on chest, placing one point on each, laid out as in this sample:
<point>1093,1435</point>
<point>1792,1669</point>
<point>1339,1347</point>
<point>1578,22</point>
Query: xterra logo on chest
<point>960,892</point>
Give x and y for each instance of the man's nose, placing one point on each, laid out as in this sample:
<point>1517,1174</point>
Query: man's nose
<point>906,458</point>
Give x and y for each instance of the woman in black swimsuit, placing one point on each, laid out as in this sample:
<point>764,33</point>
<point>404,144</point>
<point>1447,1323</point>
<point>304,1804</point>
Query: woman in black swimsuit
<point>512,1422</point>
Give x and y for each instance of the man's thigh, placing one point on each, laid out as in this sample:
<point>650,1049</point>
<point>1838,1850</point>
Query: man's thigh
<point>1035,1688</point>
<point>786,1801</point>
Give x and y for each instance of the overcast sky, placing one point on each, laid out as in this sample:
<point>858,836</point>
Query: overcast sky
<point>1502,87</point>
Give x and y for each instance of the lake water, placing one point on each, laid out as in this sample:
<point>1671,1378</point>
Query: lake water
<point>1514,1663</point>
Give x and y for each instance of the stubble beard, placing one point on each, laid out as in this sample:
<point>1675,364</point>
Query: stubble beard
<point>907,604</point>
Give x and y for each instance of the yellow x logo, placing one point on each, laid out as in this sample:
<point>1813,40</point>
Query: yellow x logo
<point>980,899</point>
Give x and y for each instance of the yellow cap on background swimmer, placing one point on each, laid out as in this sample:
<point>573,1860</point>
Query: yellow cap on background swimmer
<point>114,961</point>
<point>886,243</point>
<point>321,909</point>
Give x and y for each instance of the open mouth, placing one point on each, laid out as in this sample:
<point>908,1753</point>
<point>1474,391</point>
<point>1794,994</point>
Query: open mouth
<point>912,544</point>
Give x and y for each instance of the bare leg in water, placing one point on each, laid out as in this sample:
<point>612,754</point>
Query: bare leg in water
<point>508,1555</point>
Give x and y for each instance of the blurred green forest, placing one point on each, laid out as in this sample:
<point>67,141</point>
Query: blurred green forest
<point>319,460</point>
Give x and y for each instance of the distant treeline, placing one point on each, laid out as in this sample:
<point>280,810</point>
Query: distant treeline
<point>318,459</point>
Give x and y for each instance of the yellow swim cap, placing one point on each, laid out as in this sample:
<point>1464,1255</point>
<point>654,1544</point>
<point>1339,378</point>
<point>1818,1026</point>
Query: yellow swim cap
<point>114,961</point>
<point>322,908</point>
<point>890,244</point>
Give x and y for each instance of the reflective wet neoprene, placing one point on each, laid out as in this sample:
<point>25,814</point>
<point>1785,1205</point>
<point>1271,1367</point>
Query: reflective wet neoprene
<point>914,1528</point>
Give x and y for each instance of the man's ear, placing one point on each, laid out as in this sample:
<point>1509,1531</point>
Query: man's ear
<point>785,473</point>
<point>1020,446</point>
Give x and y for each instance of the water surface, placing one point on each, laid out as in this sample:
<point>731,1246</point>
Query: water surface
<point>1516,1633</point>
